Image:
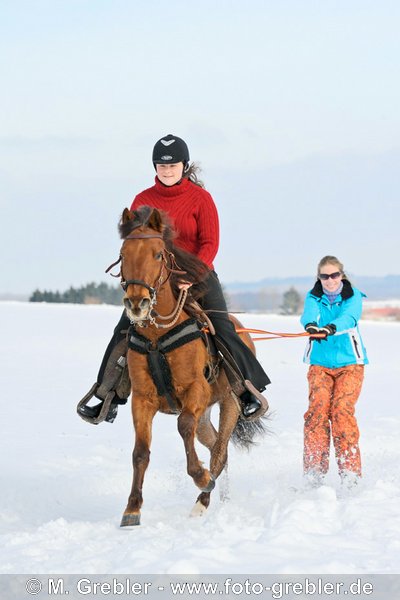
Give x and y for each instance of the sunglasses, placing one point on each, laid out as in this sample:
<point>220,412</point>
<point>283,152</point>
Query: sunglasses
<point>325,276</point>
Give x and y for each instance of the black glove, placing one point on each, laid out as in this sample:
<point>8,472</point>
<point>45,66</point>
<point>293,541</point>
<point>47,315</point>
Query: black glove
<point>328,329</point>
<point>312,329</point>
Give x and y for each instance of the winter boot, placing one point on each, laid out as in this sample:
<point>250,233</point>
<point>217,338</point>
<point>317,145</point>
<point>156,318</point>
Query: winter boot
<point>253,404</point>
<point>250,404</point>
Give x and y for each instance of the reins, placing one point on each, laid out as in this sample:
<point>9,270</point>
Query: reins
<point>175,313</point>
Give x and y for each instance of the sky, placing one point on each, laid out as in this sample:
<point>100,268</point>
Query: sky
<point>291,109</point>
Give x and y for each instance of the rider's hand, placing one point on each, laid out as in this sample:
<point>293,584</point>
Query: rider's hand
<point>184,285</point>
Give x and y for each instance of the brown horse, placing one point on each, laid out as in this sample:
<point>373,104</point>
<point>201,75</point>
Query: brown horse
<point>149,276</point>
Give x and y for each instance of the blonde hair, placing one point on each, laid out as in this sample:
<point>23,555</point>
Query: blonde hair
<point>331,260</point>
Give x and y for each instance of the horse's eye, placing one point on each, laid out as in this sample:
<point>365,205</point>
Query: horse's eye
<point>158,256</point>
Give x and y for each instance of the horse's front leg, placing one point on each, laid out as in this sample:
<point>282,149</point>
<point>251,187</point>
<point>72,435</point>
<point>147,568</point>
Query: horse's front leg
<point>193,407</point>
<point>143,413</point>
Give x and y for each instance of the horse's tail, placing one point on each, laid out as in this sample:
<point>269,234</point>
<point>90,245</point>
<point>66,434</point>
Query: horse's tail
<point>245,432</point>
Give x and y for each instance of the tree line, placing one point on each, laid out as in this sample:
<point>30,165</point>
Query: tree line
<point>91,293</point>
<point>290,303</point>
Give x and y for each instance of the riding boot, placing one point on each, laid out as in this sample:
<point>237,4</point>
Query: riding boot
<point>113,385</point>
<point>253,404</point>
<point>250,404</point>
<point>245,374</point>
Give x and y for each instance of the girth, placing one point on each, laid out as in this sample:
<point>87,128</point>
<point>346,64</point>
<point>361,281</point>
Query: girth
<point>181,334</point>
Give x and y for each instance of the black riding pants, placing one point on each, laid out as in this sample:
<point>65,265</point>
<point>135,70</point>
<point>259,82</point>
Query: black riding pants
<point>213,300</point>
<point>248,364</point>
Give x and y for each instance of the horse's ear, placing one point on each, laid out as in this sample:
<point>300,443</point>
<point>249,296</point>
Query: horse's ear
<point>127,215</point>
<point>155,221</point>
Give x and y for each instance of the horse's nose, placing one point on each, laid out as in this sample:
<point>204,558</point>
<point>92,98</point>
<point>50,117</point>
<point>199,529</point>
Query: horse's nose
<point>137,306</point>
<point>144,304</point>
<point>128,303</point>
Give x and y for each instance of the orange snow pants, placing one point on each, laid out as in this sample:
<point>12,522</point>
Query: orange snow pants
<point>333,394</point>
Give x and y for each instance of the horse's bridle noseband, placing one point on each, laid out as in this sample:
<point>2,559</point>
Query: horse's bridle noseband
<point>125,283</point>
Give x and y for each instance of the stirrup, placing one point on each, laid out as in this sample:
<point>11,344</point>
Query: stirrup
<point>264,402</point>
<point>104,409</point>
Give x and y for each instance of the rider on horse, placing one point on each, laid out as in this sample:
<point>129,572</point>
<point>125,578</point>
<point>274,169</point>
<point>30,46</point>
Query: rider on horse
<point>178,192</point>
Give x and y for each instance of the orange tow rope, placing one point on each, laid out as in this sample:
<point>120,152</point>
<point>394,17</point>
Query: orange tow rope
<point>273,335</point>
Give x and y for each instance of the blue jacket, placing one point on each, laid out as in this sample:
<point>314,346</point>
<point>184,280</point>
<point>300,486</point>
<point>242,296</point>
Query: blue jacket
<point>345,347</point>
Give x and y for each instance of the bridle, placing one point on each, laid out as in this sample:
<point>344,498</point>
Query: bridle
<point>172,267</point>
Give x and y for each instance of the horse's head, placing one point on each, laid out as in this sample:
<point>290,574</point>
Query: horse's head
<point>143,260</point>
<point>148,260</point>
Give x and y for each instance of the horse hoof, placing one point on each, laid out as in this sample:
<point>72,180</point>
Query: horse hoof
<point>130,520</point>
<point>198,510</point>
<point>210,486</point>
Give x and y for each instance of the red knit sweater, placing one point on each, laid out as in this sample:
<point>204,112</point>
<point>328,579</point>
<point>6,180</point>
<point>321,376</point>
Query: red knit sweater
<point>193,214</point>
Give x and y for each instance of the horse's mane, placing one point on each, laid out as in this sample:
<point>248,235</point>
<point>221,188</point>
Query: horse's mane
<point>195,270</point>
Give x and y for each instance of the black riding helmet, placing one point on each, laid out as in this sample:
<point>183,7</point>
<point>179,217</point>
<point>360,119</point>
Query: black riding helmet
<point>169,150</point>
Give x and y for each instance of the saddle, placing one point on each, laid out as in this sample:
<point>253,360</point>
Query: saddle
<point>116,383</point>
<point>196,327</point>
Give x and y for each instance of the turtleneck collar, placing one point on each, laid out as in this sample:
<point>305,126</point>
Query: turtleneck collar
<point>171,191</point>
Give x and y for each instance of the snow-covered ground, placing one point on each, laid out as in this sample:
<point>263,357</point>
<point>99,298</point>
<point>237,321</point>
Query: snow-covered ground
<point>65,483</point>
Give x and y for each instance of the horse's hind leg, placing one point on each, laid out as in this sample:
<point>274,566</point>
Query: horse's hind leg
<point>206,432</point>
<point>142,418</point>
<point>224,484</point>
<point>229,413</point>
